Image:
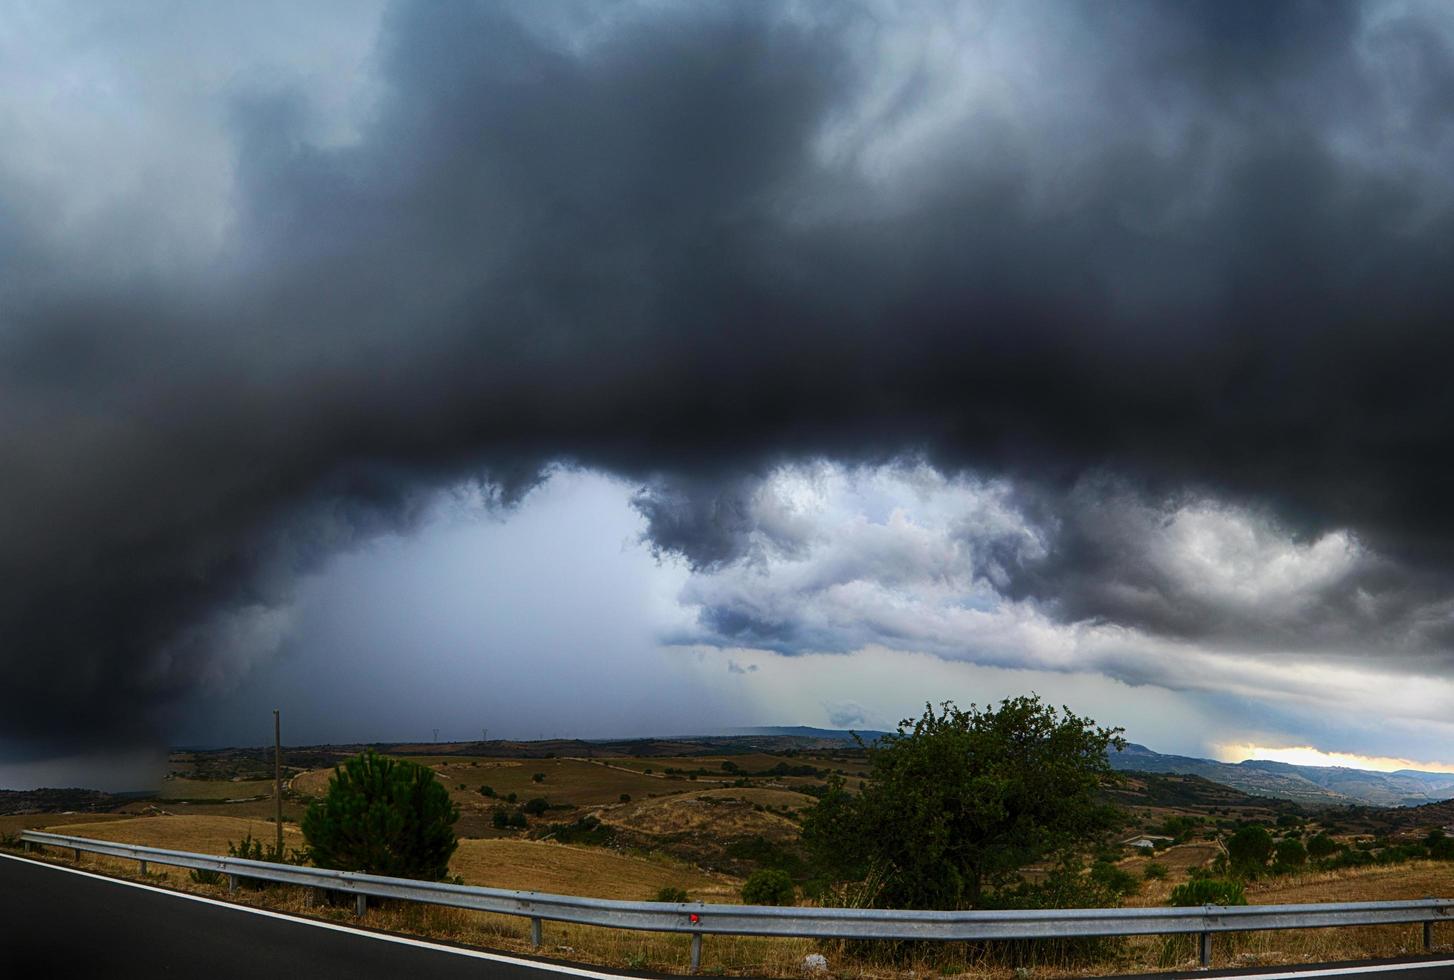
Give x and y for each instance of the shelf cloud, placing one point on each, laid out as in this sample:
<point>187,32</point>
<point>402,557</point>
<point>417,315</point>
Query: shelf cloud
<point>1162,288</point>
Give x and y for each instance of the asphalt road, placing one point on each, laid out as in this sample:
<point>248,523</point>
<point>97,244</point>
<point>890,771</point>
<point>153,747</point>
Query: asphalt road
<point>57,923</point>
<point>1410,968</point>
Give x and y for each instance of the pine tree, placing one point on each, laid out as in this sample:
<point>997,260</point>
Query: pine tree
<point>383,816</point>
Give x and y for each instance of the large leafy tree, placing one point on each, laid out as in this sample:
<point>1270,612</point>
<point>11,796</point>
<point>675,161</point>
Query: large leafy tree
<point>959,801</point>
<point>384,816</point>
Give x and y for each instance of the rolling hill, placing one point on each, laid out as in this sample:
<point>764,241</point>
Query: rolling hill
<point>1309,785</point>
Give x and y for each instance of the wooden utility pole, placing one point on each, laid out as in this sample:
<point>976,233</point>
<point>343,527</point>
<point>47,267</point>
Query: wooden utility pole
<point>278,774</point>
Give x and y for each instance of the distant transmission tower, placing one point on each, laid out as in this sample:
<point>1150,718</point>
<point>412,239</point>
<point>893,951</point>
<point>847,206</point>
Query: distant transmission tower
<point>436,734</point>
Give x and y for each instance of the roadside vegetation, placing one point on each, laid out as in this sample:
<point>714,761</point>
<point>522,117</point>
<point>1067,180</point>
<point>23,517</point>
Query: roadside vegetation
<point>1007,806</point>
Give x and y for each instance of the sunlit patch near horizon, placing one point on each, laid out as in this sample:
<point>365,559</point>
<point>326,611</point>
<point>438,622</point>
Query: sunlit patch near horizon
<point>1307,755</point>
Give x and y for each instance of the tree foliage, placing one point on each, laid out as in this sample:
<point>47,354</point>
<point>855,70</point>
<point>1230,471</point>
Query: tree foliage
<point>769,887</point>
<point>1290,853</point>
<point>384,816</point>
<point>1248,849</point>
<point>958,801</point>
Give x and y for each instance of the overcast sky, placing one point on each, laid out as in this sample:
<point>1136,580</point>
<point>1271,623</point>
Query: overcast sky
<point>604,369</point>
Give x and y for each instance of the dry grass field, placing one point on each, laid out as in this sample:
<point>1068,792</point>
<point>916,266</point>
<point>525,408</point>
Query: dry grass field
<point>203,834</point>
<point>578,783</point>
<point>592,871</point>
<point>251,809</point>
<point>1177,859</point>
<point>219,790</point>
<point>722,813</point>
<point>754,762</point>
<point>14,824</point>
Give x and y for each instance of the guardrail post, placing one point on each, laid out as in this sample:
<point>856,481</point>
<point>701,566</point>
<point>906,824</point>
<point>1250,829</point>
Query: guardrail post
<point>78,854</point>
<point>1206,949</point>
<point>141,865</point>
<point>696,951</point>
<point>535,932</point>
<point>1428,935</point>
<point>360,905</point>
<point>231,884</point>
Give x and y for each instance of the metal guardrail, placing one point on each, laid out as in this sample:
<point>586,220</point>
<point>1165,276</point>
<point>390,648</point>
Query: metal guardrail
<point>698,919</point>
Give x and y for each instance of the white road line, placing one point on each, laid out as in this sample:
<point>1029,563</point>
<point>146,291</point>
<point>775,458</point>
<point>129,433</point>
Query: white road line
<point>384,937</point>
<point>1336,971</point>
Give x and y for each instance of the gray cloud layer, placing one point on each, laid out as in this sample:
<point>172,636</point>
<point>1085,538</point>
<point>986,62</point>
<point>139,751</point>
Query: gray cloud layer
<point>1196,249</point>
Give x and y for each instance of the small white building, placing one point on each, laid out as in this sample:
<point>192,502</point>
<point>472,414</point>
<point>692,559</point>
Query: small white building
<point>1146,842</point>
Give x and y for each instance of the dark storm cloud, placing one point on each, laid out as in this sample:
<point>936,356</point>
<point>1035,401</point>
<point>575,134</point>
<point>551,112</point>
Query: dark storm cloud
<point>686,245</point>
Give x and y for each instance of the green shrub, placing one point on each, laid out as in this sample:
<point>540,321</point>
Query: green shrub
<point>251,849</point>
<point>487,791</point>
<point>201,876</point>
<point>1155,871</point>
<point>769,887</point>
<point>1208,891</point>
<point>1290,854</point>
<point>586,830</point>
<point>383,816</point>
<point>625,797</point>
<point>538,777</point>
<point>256,850</point>
<point>536,806</point>
<point>1440,846</point>
<point>670,893</point>
<point>1113,878</point>
<point>1248,850</point>
<point>1321,846</point>
<point>1064,887</point>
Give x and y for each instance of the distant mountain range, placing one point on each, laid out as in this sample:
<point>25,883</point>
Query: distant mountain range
<point>803,731</point>
<point>1313,785</point>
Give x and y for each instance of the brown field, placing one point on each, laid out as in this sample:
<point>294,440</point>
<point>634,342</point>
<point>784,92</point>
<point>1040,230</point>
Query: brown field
<point>251,810</point>
<point>1177,858</point>
<point>755,761</point>
<point>577,782</point>
<point>220,790</point>
<point>591,871</point>
<point>203,834</point>
<point>313,783</point>
<point>14,824</point>
<point>1418,879</point>
<point>721,813</point>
